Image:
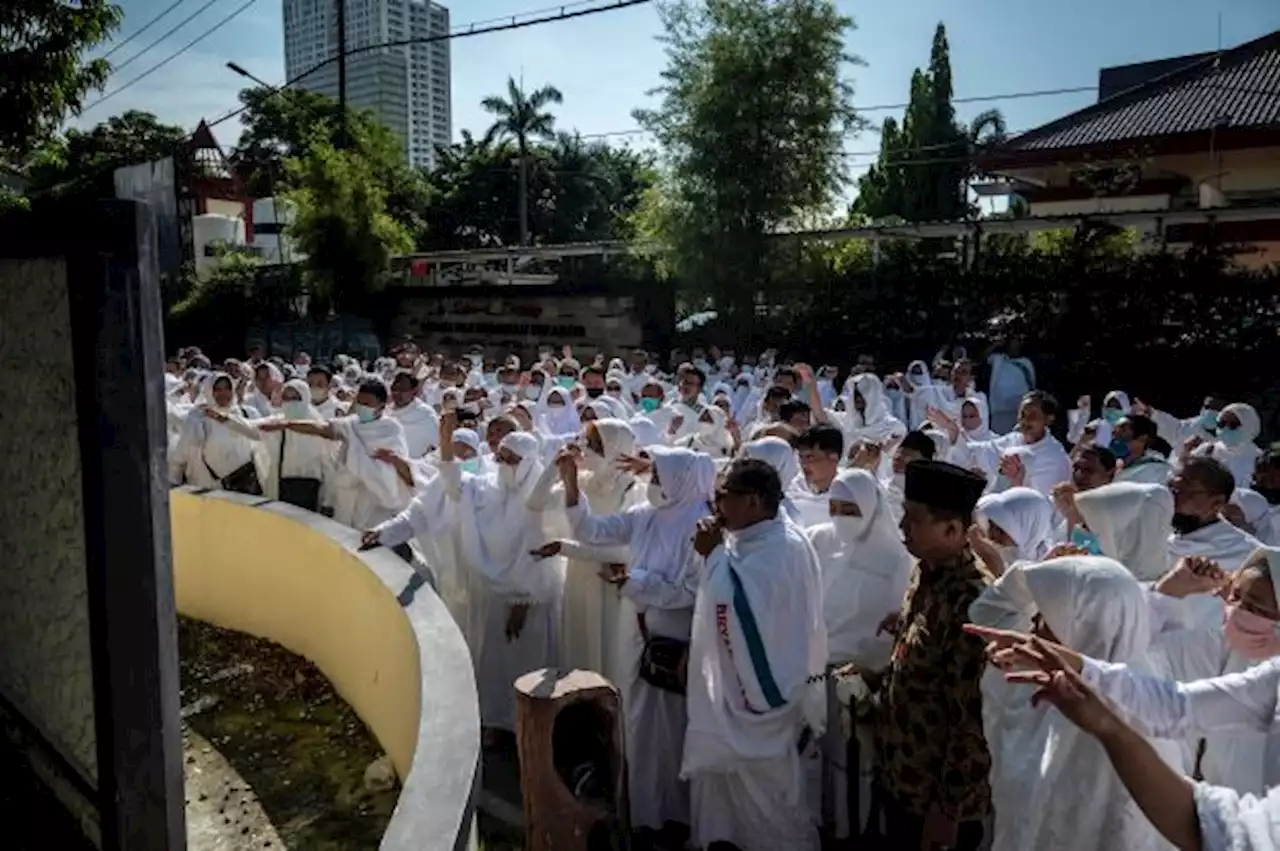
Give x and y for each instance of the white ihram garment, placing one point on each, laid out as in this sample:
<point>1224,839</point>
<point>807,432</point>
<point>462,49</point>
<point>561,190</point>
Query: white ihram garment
<point>758,637</point>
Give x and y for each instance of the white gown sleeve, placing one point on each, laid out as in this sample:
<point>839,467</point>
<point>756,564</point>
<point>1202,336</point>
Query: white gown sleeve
<point>1244,701</point>
<point>1230,821</point>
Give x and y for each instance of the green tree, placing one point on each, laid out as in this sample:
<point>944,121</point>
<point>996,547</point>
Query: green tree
<point>751,125</point>
<point>521,116</point>
<point>282,125</point>
<point>83,162</point>
<point>45,76</point>
<point>926,162</point>
<point>343,227</point>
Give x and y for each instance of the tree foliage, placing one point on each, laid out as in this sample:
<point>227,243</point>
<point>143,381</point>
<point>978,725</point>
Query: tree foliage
<point>342,226</point>
<point>83,162</point>
<point>582,192</point>
<point>280,126</point>
<point>926,160</point>
<point>45,76</point>
<point>752,120</point>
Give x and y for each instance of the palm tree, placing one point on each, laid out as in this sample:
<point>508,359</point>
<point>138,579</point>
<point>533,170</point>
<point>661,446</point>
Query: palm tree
<point>519,116</point>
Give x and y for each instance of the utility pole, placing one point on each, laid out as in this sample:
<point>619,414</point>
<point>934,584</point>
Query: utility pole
<point>342,73</point>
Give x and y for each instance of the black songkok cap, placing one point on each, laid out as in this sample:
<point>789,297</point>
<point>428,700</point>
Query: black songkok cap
<point>943,486</point>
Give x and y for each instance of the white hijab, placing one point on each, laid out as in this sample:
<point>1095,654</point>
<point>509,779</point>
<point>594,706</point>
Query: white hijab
<point>1131,521</point>
<point>865,571</point>
<point>875,424</point>
<point>778,454</point>
<point>557,422</point>
<point>1025,515</point>
<point>662,542</point>
<point>605,484</point>
<point>499,532</point>
<point>1240,459</point>
<point>1055,784</point>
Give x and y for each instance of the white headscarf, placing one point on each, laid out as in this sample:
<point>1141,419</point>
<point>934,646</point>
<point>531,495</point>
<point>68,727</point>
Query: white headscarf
<point>983,432</point>
<point>1054,784</point>
<point>778,454</point>
<point>499,533</point>
<point>875,424</point>
<point>605,483</point>
<point>1239,459</point>
<point>646,433</point>
<point>865,570</point>
<point>557,422</point>
<point>1025,515</point>
<point>665,541</point>
<point>1131,521</point>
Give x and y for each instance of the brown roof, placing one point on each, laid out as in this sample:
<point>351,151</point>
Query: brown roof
<point>1236,90</point>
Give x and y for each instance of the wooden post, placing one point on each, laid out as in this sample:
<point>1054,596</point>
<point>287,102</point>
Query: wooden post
<point>572,772</point>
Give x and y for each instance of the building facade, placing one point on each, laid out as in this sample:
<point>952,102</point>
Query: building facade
<point>406,87</point>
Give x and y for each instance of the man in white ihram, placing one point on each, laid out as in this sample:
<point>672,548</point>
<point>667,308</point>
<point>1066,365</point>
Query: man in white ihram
<point>758,635</point>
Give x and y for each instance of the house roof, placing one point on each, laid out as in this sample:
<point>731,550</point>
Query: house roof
<point>1236,90</point>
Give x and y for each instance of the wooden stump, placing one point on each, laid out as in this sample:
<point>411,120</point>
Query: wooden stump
<point>572,772</point>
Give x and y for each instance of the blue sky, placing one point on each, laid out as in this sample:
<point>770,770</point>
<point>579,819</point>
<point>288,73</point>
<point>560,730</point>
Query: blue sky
<point>606,64</point>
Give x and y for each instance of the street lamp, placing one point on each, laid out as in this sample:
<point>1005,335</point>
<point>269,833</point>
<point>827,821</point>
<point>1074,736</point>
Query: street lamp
<point>243,73</point>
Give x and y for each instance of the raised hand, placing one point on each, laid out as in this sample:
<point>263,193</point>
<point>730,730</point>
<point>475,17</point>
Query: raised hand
<point>1193,575</point>
<point>710,535</point>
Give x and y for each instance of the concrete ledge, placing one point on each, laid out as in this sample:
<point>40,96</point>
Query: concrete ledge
<point>367,620</point>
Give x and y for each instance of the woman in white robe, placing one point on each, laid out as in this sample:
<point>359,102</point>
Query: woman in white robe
<point>1236,759</point>
<point>865,570</point>
<point>373,480</point>
<point>1120,706</point>
<point>216,441</point>
<point>556,415</point>
<point>597,624</point>
<point>1051,787</point>
<point>497,538</point>
<point>712,437</point>
<point>866,419</point>
<point>1031,449</point>
<point>1019,522</point>
<point>661,583</point>
<point>300,457</point>
<point>1236,446</point>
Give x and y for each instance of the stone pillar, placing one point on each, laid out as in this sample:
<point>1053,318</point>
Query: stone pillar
<point>570,732</point>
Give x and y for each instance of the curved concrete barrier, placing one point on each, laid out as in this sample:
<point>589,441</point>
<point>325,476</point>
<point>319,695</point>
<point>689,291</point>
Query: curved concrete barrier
<point>367,620</point>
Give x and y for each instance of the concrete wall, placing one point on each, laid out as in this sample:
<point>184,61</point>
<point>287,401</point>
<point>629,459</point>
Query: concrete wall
<point>366,619</point>
<point>46,670</point>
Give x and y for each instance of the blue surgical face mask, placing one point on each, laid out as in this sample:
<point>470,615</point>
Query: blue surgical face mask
<point>471,465</point>
<point>566,381</point>
<point>364,414</point>
<point>1082,537</point>
<point>510,389</point>
<point>1231,437</point>
<point>295,410</point>
<point>1112,415</point>
<point>649,405</point>
<point>1119,448</point>
<point>532,393</point>
<point>1208,420</point>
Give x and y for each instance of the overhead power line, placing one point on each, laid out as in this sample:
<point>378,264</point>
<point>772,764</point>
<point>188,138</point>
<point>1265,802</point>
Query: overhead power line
<point>148,25</point>
<point>172,56</point>
<point>153,45</point>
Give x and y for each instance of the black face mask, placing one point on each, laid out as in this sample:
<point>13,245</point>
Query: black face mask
<point>595,392</point>
<point>1271,495</point>
<point>1185,524</point>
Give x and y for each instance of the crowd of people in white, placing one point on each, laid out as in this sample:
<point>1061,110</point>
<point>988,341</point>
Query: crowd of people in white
<point>822,602</point>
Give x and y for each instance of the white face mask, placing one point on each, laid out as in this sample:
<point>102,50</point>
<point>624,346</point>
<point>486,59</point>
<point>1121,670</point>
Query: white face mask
<point>532,393</point>
<point>318,395</point>
<point>507,476</point>
<point>850,529</point>
<point>657,498</point>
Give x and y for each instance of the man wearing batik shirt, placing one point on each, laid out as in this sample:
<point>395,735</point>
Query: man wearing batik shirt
<point>932,761</point>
